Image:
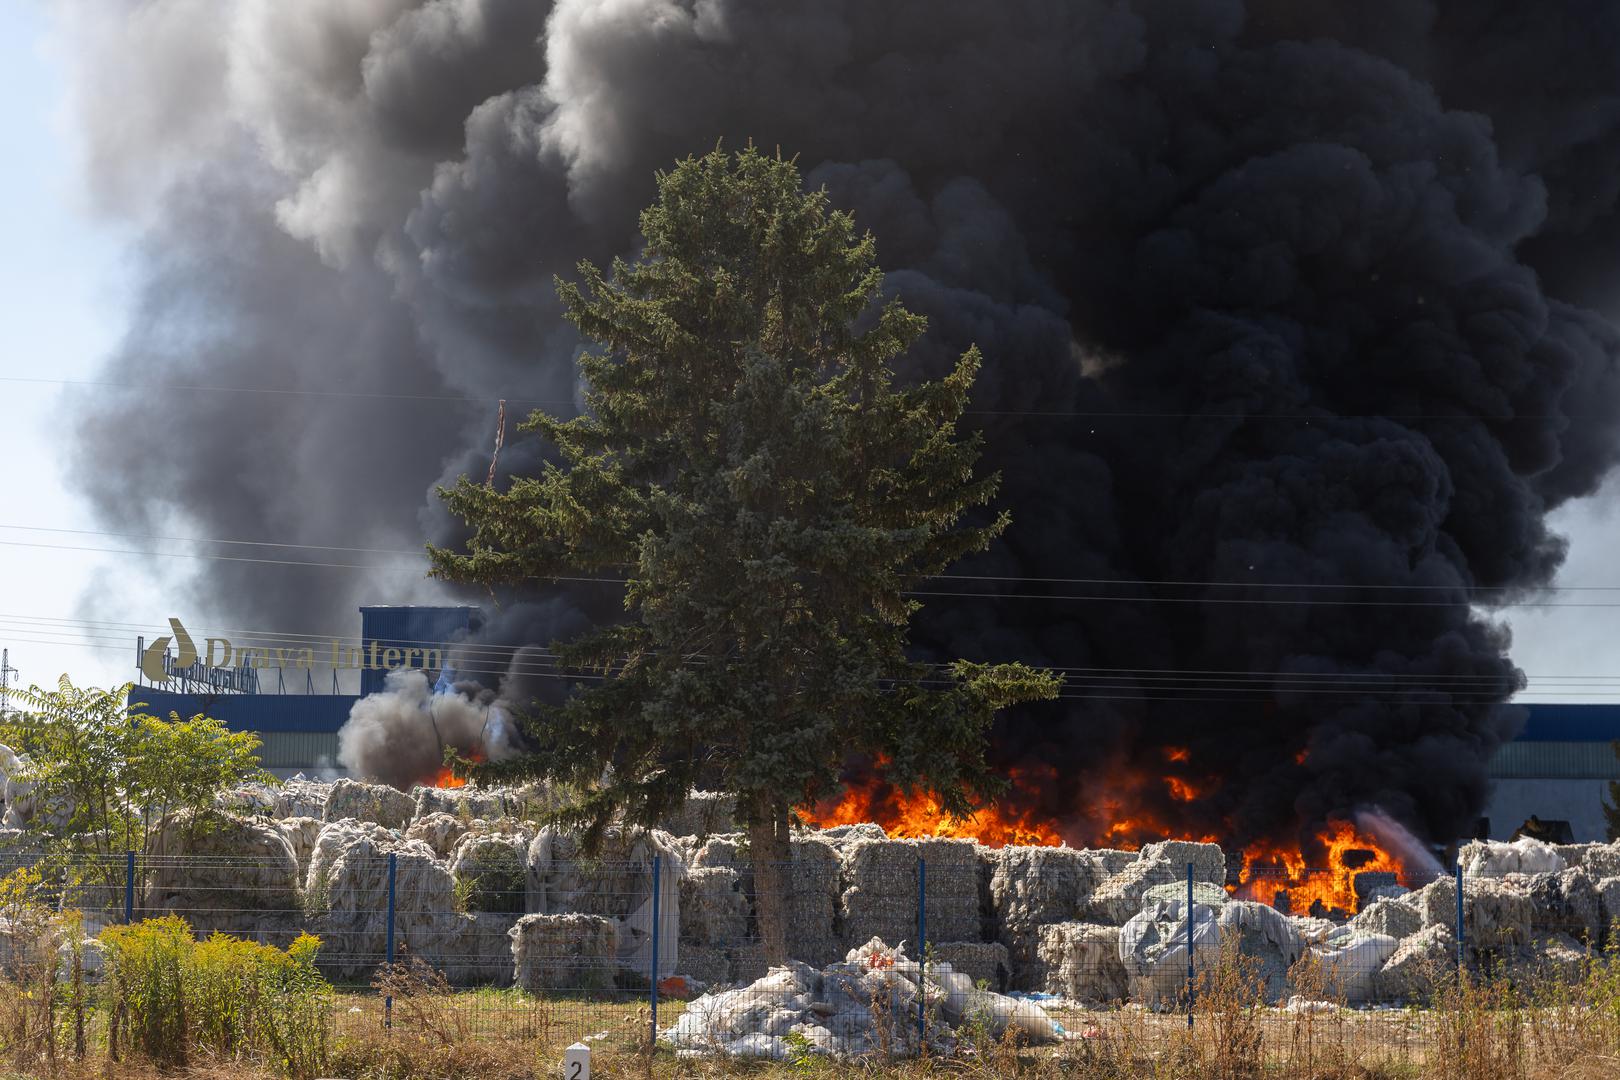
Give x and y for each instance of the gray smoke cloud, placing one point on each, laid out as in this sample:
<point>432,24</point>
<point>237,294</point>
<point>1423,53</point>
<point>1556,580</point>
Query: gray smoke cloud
<point>399,735</point>
<point>1278,291</point>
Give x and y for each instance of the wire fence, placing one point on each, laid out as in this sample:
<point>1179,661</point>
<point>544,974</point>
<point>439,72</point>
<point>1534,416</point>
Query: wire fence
<point>888,953</point>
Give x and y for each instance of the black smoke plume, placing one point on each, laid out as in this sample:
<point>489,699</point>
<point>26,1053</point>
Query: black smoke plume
<point>1282,293</point>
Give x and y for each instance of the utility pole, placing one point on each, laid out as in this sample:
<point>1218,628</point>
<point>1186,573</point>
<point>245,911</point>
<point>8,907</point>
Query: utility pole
<point>6,672</point>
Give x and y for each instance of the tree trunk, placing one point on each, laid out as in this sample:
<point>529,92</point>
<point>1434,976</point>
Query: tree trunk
<point>768,846</point>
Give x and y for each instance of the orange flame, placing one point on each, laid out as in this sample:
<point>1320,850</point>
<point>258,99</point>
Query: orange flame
<point>446,778</point>
<point>916,815</point>
<point>1320,873</point>
<point>1271,868</point>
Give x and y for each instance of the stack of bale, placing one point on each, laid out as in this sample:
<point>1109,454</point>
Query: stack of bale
<point>615,882</point>
<point>223,873</point>
<point>439,831</point>
<point>1081,962</point>
<point>352,800</point>
<point>813,898</point>
<point>564,952</point>
<point>714,923</point>
<point>348,880</point>
<point>703,814</point>
<point>301,834</point>
<point>1034,887</point>
<point>985,962</point>
<point>1120,897</point>
<point>881,889</point>
<point>812,904</point>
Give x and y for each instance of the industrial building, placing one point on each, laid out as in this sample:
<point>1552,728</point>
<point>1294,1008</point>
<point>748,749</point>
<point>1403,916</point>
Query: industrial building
<point>1557,771</point>
<point>272,691</point>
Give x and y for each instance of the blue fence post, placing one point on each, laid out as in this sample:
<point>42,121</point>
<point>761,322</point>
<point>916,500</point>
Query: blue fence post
<point>393,880</point>
<point>129,887</point>
<point>1192,991</point>
<point>1457,871</point>
<point>922,951</point>
<point>658,865</point>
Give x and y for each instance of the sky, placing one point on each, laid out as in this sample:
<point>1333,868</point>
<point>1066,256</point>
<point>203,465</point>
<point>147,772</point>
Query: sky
<point>65,307</point>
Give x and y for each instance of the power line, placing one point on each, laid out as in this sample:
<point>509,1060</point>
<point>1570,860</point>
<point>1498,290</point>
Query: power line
<point>1004,578</point>
<point>1083,685</point>
<point>569,404</point>
<point>263,639</point>
<point>1050,598</point>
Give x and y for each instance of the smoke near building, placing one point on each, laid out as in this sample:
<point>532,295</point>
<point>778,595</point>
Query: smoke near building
<point>1296,326</point>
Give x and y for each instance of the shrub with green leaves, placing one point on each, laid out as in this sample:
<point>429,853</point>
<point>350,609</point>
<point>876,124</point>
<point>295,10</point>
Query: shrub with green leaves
<point>170,996</point>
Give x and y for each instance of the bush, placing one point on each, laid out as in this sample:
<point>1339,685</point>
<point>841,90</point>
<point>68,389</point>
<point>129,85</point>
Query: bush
<point>170,996</point>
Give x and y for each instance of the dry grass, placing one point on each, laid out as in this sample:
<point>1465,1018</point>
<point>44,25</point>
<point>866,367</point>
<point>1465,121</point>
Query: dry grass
<point>1542,1027</point>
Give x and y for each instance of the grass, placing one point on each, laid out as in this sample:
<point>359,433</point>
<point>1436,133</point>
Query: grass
<point>236,1017</point>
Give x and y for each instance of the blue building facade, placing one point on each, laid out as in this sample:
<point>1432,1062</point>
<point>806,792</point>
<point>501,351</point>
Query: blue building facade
<point>298,729</point>
<point>1559,769</point>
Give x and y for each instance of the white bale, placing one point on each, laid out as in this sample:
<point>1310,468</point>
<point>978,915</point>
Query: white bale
<point>1351,961</point>
<point>1422,962</point>
<point>840,835</point>
<point>249,800</point>
<point>1153,948</point>
<point>1496,911</point>
<point>714,911</point>
<point>564,952</point>
<point>354,800</point>
<point>1566,903</point>
<point>881,882</point>
<point>1120,896</point>
<point>300,798</point>
<point>333,839</point>
<point>1265,936</point>
<point>491,871</point>
<point>439,831</point>
<point>17,789</point>
<point>1494,859</point>
<point>1391,918</point>
<point>1031,887</point>
<point>301,834</point>
<point>464,803</point>
<point>1599,860</point>
<point>702,814</point>
<point>1082,962</point>
<point>617,884</point>
<point>348,877</point>
<point>723,850</point>
<point>477,950</point>
<point>1608,891</point>
<point>223,873</point>
<point>1557,957</point>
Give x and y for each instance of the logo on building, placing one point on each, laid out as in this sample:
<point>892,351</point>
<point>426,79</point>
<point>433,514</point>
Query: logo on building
<point>155,660</point>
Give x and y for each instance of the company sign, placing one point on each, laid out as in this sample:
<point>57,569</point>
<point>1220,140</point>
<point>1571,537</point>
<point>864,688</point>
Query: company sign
<point>232,667</point>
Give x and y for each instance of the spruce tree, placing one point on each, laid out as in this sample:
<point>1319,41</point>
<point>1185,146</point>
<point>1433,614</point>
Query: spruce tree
<point>750,465</point>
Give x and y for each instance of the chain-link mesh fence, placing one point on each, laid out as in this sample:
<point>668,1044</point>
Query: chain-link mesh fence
<point>891,947</point>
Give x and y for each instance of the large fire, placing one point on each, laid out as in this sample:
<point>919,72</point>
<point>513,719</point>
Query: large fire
<point>1272,868</point>
<point>1322,872</point>
<point>918,815</point>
